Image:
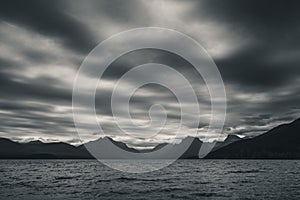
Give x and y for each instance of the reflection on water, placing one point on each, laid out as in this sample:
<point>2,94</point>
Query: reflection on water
<point>188,179</point>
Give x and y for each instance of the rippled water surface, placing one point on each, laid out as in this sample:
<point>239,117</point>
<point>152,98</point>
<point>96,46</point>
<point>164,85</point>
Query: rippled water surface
<point>184,179</point>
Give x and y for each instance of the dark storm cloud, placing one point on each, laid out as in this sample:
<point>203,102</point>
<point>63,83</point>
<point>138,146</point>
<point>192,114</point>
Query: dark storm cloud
<point>35,56</point>
<point>252,69</point>
<point>19,106</point>
<point>272,29</point>
<point>138,57</point>
<point>262,19</point>
<point>131,11</point>
<point>50,19</point>
<point>39,121</point>
<point>35,89</point>
<point>31,118</point>
<point>4,63</point>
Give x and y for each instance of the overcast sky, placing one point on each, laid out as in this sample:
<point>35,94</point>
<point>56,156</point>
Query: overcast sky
<point>255,45</point>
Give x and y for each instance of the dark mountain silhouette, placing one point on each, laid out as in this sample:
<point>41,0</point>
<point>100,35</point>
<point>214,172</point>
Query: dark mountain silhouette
<point>9,149</point>
<point>193,150</point>
<point>230,139</point>
<point>104,149</point>
<point>60,150</point>
<point>38,149</point>
<point>105,139</point>
<point>281,142</point>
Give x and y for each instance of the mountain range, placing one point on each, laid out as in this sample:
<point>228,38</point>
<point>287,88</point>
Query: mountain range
<point>281,142</point>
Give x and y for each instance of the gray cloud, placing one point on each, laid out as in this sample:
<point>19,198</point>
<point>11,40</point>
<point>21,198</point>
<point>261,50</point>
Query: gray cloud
<point>252,69</point>
<point>50,19</point>
<point>254,44</point>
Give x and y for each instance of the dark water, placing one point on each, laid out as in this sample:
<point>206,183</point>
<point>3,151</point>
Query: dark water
<point>185,179</point>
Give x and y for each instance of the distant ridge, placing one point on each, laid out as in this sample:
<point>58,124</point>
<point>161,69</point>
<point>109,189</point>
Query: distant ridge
<point>59,150</point>
<point>39,150</point>
<point>104,149</point>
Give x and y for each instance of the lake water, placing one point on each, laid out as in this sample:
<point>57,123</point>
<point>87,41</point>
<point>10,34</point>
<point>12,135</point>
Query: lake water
<point>184,179</point>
